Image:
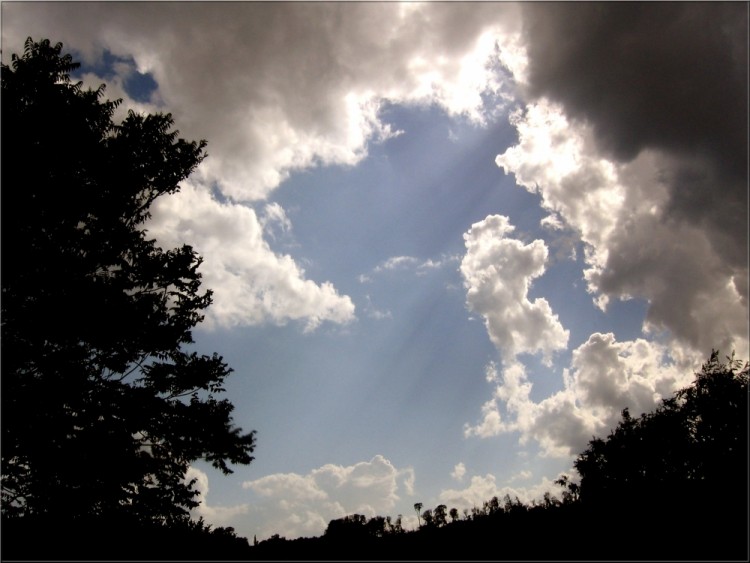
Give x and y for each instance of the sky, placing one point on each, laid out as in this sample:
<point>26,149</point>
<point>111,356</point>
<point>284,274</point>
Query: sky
<point>448,242</point>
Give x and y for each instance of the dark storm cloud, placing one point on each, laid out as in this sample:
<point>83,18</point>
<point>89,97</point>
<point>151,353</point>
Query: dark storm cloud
<point>671,77</point>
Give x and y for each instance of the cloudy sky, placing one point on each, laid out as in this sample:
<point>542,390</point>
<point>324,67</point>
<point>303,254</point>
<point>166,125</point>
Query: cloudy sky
<point>448,242</point>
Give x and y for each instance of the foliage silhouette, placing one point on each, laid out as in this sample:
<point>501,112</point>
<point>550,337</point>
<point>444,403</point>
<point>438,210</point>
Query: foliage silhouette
<point>103,405</point>
<point>453,514</point>
<point>693,440</point>
<point>671,484</point>
<point>417,507</point>
<point>440,515</point>
<point>120,538</point>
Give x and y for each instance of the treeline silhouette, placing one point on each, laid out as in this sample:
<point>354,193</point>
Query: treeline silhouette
<point>670,484</point>
<point>118,537</point>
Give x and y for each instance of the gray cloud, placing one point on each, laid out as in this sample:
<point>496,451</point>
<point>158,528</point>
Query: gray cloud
<point>671,77</point>
<point>633,247</point>
<point>667,75</point>
<point>277,87</point>
<point>274,88</point>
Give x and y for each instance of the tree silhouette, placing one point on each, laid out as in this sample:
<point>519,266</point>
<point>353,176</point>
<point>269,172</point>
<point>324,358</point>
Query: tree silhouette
<point>103,406</point>
<point>454,514</point>
<point>695,439</point>
<point>428,517</point>
<point>571,489</point>
<point>441,515</point>
<point>377,526</point>
<point>352,526</point>
<point>686,462</point>
<point>417,508</point>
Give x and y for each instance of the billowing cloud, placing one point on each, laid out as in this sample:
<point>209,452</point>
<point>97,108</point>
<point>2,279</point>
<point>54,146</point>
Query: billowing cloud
<point>605,376</point>
<point>482,488</point>
<point>276,88</point>
<point>633,246</point>
<point>671,76</point>
<point>645,158</point>
<point>647,165</point>
<point>636,93</point>
<point>459,471</point>
<point>498,272</point>
<point>251,283</point>
<point>302,505</point>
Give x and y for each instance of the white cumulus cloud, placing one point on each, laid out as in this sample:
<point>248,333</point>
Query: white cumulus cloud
<point>605,376</point>
<point>302,505</point>
<point>251,283</point>
<point>498,272</point>
<point>459,471</point>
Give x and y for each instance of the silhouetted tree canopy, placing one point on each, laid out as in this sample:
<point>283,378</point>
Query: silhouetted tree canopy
<point>103,405</point>
<point>694,443</point>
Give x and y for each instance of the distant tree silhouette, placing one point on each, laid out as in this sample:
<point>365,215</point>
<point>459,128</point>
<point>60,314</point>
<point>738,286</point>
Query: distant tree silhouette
<point>549,501</point>
<point>103,407</point>
<point>377,527</point>
<point>428,517</point>
<point>454,514</point>
<point>571,489</point>
<point>352,526</point>
<point>493,505</point>
<point>417,507</point>
<point>509,505</point>
<point>441,515</point>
